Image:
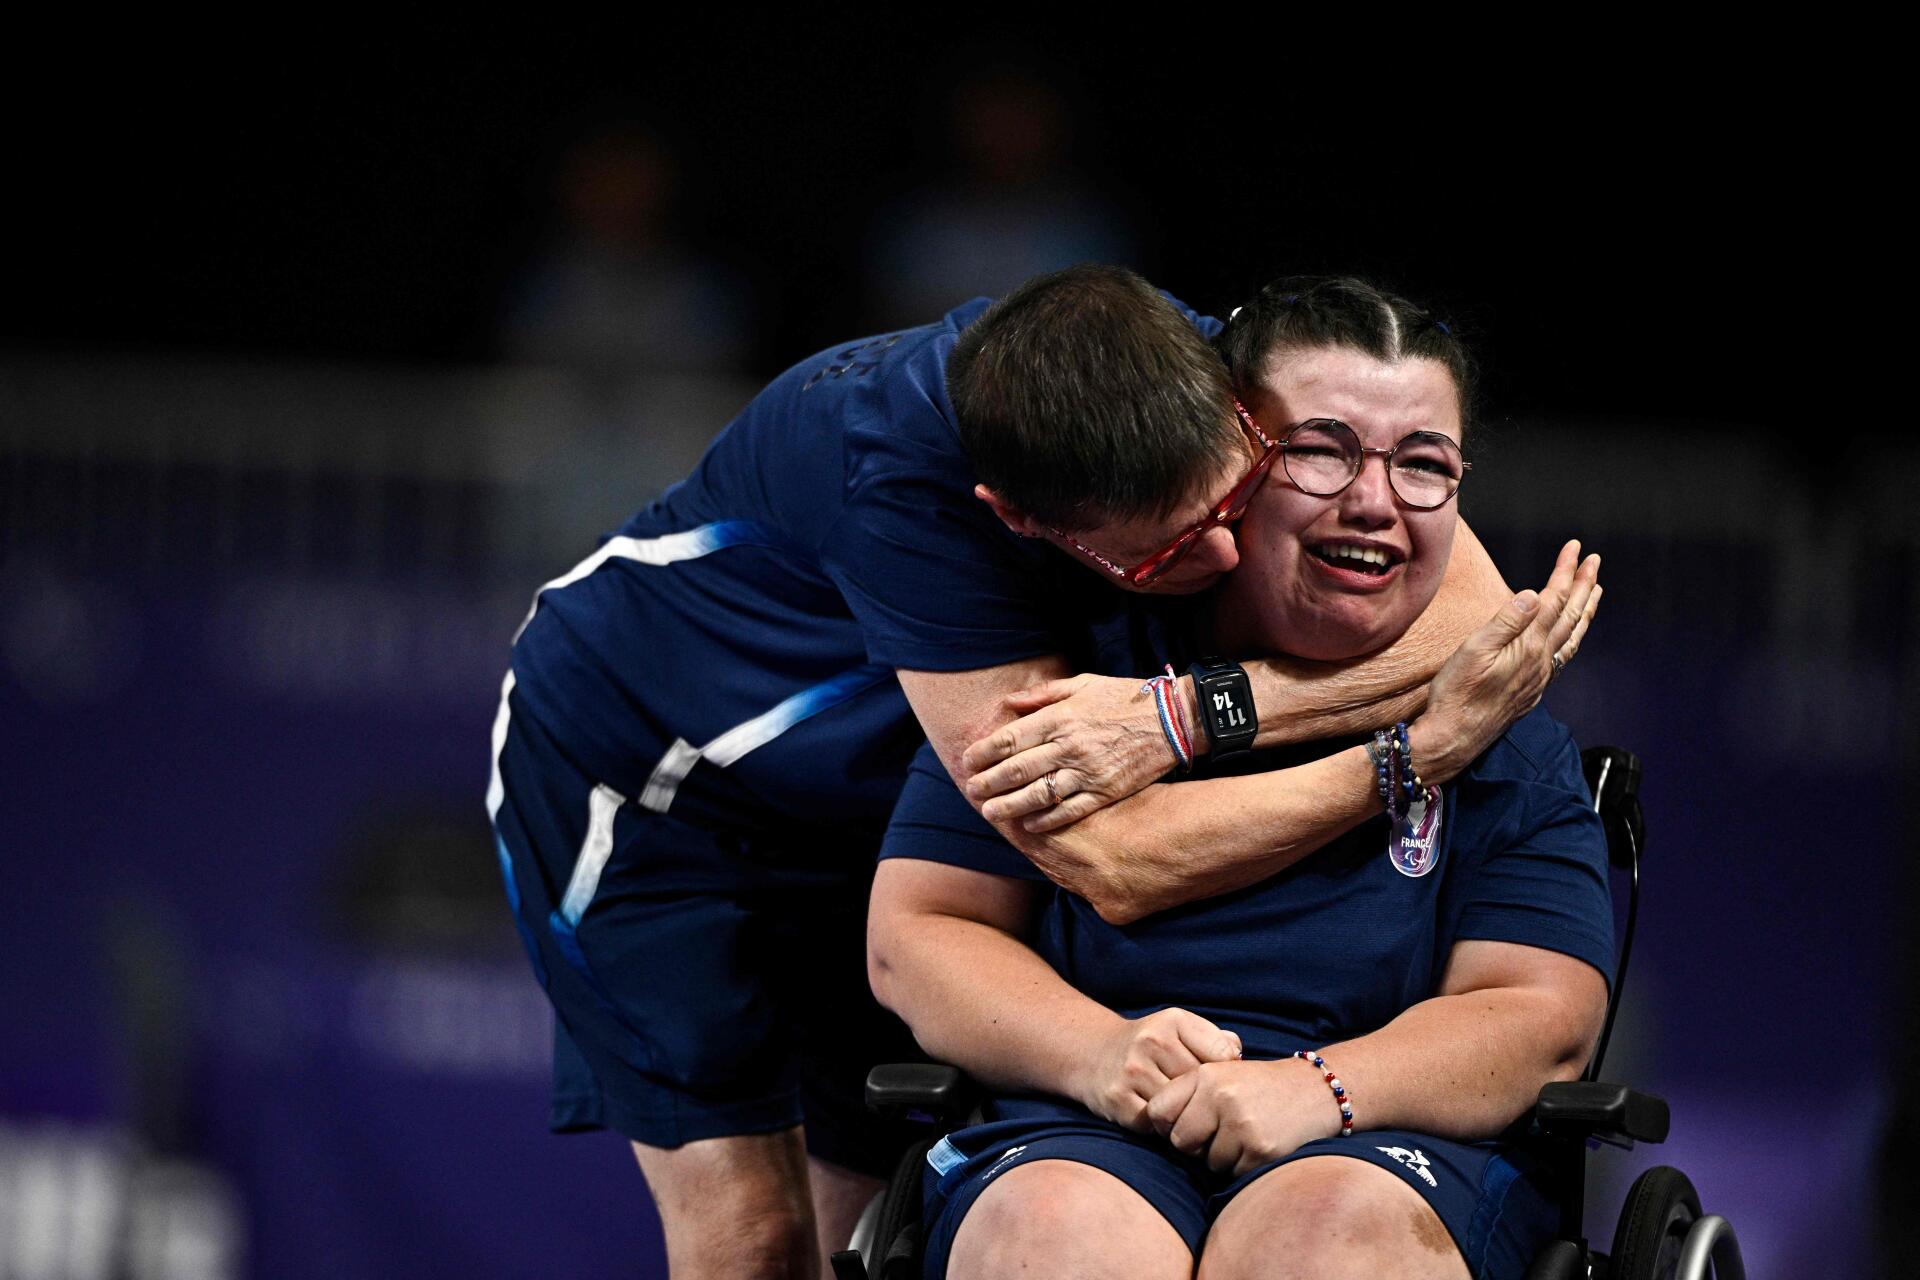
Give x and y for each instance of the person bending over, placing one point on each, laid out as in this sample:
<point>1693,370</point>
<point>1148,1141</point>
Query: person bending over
<point>1442,960</point>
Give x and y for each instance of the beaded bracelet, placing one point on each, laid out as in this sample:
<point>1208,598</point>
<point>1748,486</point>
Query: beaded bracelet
<point>1414,789</point>
<point>1162,687</point>
<point>1380,752</point>
<point>1392,762</point>
<point>1333,1082</point>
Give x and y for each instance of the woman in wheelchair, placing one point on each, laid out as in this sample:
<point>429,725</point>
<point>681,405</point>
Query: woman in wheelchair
<point>1314,1074</point>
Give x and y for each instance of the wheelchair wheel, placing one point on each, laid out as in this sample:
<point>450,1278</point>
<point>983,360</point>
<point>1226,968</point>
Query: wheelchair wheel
<point>1661,1208</point>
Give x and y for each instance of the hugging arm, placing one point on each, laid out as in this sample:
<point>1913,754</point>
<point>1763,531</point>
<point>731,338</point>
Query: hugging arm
<point>1166,845</point>
<point>1105,740</point>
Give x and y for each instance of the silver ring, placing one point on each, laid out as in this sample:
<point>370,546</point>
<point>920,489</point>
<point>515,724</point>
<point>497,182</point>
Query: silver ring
<point>1053,792</point>
<point>1558,663</point>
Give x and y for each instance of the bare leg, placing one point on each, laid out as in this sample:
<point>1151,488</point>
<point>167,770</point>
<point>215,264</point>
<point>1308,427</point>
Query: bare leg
<point>839,1196</point>
<point>1330,1218</point>
<point>734,1208</point>
<point>1059,1218</point>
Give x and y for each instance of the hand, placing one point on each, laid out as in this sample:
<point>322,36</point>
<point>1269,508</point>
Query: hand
<point>1099,738</point>
<point>1239,1115</point>
<point>1499,673</point>
<point>1136,1060</point>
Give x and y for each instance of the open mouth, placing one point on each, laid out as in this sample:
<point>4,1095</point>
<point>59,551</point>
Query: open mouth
<point>1374,562</point>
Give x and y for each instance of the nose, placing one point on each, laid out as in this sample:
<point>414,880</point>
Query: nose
<point>1216,551</point>
<point>1369,501</point>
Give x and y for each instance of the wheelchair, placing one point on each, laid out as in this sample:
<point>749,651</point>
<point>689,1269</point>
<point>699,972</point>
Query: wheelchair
<point>1662,1233</point>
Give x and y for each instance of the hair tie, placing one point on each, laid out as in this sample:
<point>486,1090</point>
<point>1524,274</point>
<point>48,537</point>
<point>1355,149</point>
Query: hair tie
<point>1234,314</point>
<point>1441,325</point>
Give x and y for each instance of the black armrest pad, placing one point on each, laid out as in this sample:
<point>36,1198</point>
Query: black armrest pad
<point>939,1090</point>
<point>1597,1109</point>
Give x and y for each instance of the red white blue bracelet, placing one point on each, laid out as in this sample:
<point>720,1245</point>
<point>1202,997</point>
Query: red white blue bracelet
<point>1162,688</point>
<point>1333,1082</point>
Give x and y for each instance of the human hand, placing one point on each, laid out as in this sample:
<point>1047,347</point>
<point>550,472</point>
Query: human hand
<point>1134,1062</point>
<point>1499,672</point>
<point>1097,737</point>
<point>1239,1115</point>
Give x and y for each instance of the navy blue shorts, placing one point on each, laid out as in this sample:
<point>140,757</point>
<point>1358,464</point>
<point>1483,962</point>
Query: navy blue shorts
<point>1495,1200</point>
<point>704,984</point>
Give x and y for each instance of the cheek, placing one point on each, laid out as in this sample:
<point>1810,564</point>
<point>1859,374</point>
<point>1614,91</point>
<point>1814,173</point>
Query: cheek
<point>1433,546</point>
<point>1275,521</point>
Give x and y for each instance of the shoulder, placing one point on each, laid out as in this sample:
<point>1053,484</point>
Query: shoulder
<point>1535,748</point>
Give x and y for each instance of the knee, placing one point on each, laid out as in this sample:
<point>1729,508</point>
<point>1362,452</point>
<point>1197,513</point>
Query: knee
<point>734,1207</point>
<point>1329,1218</point>
<point>1056,1217</point>
<point>751,1241</point>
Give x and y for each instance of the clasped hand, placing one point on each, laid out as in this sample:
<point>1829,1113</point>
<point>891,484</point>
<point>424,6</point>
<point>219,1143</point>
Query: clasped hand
<point>1176,1074</point>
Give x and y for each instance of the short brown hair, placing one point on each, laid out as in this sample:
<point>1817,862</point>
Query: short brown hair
<point>1086,395</point>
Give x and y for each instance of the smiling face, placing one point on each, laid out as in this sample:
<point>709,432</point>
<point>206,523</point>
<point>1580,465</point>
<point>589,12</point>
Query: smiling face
<point>1341,576</point>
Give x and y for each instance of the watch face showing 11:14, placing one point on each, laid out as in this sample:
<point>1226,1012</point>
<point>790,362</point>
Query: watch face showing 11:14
<point>1226,701</point>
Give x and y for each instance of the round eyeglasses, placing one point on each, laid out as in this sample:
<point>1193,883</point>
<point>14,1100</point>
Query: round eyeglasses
<point>1322,456</point>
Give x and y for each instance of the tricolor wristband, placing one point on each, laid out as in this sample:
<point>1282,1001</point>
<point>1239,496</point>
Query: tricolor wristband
<point>1162,688</point>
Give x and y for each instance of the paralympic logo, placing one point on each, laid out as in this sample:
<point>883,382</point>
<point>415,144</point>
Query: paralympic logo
<point>1414,846</point>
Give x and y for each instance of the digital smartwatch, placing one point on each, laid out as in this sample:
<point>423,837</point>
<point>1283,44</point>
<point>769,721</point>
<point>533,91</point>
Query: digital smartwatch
<point>1226,705</point>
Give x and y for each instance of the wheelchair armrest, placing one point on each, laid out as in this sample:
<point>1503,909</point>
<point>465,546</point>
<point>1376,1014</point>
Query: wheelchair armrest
<point>1614,1113</point>
<point>900,1088</point>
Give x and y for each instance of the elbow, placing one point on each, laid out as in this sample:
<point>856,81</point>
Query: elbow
<point>1117,907</point>
<point>1583,1021</point>
<point>880,967</point>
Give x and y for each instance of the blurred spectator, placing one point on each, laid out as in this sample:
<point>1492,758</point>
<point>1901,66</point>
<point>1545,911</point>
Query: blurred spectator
<point>615,293</point>
<point>1013,208</point>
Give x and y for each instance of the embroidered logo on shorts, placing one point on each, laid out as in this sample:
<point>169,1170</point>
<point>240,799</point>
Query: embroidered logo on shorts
<point>1414,846</point>
<point>1415,1160</point>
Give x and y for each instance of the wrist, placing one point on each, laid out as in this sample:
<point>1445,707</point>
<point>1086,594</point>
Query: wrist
<point>1335,1113</point>
<point>1435,748</point>
<point>1188,704</point>
<point>1082,1076</point>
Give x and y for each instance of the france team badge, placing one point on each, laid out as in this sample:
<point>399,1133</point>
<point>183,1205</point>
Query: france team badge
<point>1414,846</point>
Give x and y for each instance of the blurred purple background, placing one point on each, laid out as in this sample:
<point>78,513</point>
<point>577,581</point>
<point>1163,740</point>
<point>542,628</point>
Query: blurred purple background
<point>311,372</point>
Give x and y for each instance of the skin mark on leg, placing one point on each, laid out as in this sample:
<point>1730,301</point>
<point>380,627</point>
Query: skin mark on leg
<point>1429,1231</point>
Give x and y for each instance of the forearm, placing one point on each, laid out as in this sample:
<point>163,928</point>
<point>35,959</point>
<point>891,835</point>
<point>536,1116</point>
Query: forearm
<point>1461,1066</point>
<point>977,997</point>
<point>1173,844</point>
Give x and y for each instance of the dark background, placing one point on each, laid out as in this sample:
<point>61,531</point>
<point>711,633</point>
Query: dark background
<point>279,473</point>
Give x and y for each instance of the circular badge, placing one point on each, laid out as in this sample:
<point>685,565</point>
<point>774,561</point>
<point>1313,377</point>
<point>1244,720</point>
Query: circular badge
<point>1414,846</point>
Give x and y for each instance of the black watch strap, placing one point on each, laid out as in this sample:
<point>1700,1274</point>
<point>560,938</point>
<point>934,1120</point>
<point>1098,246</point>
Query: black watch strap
<point>1225,696</point>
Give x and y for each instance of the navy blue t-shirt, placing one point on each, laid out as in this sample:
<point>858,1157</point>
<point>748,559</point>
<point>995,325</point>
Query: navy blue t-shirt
<point>1343,941</point>
<point>728,655</point>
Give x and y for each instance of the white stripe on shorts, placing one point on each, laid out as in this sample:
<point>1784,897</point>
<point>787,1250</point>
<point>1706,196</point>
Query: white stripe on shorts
<point>602,805</point>
<point>496,789</point>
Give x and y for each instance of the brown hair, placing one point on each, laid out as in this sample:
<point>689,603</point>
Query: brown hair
<point>1087,395</point>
